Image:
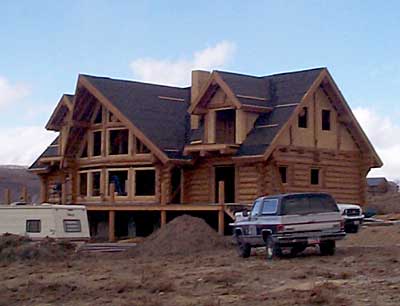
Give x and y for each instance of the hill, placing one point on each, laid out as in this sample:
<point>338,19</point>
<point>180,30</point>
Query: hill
<point>14,178</point>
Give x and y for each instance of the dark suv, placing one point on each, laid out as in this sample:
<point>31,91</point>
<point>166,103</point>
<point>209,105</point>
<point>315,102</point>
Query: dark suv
<point>292,221</point>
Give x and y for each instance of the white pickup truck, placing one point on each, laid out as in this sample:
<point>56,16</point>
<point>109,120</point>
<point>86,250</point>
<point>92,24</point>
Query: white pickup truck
<point>353,217</point>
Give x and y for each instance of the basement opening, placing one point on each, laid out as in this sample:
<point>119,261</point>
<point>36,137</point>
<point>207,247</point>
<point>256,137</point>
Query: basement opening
<point>227,175</point>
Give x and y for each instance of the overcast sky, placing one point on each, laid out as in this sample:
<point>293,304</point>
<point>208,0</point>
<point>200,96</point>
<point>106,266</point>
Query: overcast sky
<point>44,45</point>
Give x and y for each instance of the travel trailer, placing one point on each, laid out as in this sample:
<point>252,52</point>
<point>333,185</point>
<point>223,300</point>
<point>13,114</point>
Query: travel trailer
<point>45,220</point>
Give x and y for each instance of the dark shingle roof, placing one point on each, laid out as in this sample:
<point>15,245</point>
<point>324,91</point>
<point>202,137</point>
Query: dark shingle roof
<point>51,151</point>
<point>165,122</point>
<point>284,89</point>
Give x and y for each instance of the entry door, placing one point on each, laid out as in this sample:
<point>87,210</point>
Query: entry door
<point>227,175</point>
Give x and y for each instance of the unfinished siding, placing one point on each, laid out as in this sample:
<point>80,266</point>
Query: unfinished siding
<point>197,184</point>
<point>339,173</point>
<point>247,183</point>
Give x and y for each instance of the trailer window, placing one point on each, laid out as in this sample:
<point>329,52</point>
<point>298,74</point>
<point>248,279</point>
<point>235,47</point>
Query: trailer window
<point>33,226</point>
<point>72,226</point>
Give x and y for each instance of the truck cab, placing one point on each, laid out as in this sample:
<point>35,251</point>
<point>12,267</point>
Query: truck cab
<point>293,221</point>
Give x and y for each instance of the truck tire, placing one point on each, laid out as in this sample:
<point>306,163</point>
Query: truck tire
<point>297,248</point>
<point>272,249</point>
<point>243,249</point>
<point>327,247</point>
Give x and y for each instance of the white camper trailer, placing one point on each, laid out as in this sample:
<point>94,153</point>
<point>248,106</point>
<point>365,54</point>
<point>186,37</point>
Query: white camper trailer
<point>45,220</point>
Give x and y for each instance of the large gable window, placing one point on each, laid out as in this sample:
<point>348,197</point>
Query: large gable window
<point>95,177</point>
<point>120,180</point>
<point>326,120</point>
<point>145,182</point>
<point>97,140</point>
<point>141,147</point>
<point>303,118</point>
<point>118,142</point>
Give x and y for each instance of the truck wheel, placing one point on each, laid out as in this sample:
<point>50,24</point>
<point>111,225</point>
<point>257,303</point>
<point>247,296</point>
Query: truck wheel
<point>355,228</point>
<point>244,250</point>
<point>272,249</point>
<point>327,247</point>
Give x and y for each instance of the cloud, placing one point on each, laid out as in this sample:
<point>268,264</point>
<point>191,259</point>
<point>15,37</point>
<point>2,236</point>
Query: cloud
<point>22,145</point>
<point>383,133</point>
<point>177,72</point>
<point>11,93</point>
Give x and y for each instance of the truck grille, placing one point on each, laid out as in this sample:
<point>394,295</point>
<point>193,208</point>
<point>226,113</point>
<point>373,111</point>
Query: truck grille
<point>352,212</point>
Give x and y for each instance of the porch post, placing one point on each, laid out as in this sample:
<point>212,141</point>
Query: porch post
<point>221,212</point>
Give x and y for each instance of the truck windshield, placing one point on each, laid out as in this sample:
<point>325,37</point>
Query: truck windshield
<point>269,207</point>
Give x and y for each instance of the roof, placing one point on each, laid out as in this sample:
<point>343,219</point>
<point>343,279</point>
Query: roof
<point>51,151</point>
<point>160,112</point>
<point>375,181</point>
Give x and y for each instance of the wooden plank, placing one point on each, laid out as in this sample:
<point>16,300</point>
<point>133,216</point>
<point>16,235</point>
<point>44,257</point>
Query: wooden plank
<point>111,225</point>
<point>163,218</point>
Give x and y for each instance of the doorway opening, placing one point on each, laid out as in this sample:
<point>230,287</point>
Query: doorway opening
<point>227,175</point>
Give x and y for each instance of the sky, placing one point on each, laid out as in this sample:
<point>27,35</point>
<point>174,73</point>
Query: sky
<point>44,45</point>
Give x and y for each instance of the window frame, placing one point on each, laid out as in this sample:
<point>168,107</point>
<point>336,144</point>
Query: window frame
<point>286,174</point>
<point>329,118</point>
<point>306,118</point>
<point>108,133</point>
<point>319,176</point>
<point>127,189</point>
<point>33,220</point>
<point>133,183</point>
<point>69,220</point>
<point>91,149</point>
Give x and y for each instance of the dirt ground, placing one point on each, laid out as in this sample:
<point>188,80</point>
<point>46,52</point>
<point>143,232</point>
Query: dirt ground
<point>364,271</point>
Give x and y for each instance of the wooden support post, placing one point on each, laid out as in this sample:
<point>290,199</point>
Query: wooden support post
<point>163,217</point>
<point>24,194</point>
<point>7,196</point>
<point>163,193</point>
<point>112,192</point>
<point>221,212</point>
<point>63,193</point>
<point>111,225</point>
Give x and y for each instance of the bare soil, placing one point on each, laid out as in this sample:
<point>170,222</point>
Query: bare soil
<point>364,271</point>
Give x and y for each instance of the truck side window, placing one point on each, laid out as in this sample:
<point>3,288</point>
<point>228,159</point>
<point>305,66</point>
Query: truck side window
<point>256,208</point>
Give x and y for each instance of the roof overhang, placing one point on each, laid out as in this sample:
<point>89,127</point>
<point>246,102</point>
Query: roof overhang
<point>64,106</point>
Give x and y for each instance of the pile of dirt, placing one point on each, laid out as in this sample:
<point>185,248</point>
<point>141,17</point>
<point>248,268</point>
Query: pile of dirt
<point>15,248</point>
<point>185,235</point>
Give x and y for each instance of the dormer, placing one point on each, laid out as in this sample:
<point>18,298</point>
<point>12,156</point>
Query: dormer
<point>221,118</point>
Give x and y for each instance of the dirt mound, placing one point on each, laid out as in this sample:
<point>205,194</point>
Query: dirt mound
<point>185,235</point>
<point>14,248</point>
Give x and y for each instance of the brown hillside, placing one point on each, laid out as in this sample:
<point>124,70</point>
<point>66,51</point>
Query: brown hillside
<point>14,177</point>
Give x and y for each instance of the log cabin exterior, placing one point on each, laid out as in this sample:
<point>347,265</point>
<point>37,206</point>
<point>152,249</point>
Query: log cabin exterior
<point>126,146</point>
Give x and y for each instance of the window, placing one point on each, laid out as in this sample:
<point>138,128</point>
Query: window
<point>314,176</point>
<point>145,182</point>
<point>118,142</point>
<point>326,120</point>
<point>95,183</point>
<point>270,206</point>
<point>83,184</point>
<point>99,116</point>
<point>225,126</point>
<point>303,118</point>
<point>141,148</point>
<point>295,205</point>
<point>84,152</point>
<point>119,178</point>
<point>72,226</point>
<point>256,208</point>
<point>33,226</point>
<point>97,143</point>
<point>112,118</point>
<point>283,174</point>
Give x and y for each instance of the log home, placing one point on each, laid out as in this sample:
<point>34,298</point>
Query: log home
<point>138,154</point>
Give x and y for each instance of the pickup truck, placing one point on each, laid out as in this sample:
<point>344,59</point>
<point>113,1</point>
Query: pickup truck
<point>293,221</point>
<point>353,217</point>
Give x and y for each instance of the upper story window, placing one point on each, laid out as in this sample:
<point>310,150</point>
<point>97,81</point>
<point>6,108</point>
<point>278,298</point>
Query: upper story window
<point>118,142</point>
<point>141,147</point>
<point>99,116</point>
<point>145,182</point>
<point>314,176</point>
<point>225,126</point>
<point>112,117</point>
<point>326,120</point>
<point>97,140</point>
<point>303,118</point>
<point>283,174</point>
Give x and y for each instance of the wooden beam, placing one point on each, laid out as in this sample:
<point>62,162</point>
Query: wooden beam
<point>111,225</point>
<point>7,196</point>
<point>221,212</point>
<point>163,218</point>
<point>151,207</point>
<point>112,192</point>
